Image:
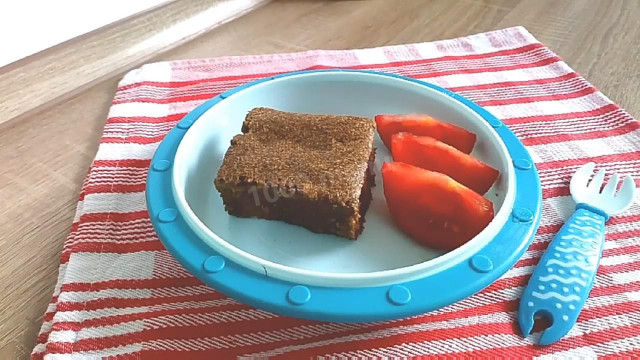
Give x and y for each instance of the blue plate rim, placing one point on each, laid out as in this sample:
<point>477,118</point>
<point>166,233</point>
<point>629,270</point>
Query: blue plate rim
<point>343,304</point>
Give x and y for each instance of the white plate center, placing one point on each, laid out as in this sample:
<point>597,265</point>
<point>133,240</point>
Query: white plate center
<point>382,253</point>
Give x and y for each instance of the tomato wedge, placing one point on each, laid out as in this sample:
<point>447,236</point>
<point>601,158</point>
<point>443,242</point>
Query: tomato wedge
<point>431,154</point>
<point>420,124</point>
<point>432,208</point>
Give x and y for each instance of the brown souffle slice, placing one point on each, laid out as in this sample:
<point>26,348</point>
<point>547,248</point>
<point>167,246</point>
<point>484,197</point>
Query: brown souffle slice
<point>314,171</point>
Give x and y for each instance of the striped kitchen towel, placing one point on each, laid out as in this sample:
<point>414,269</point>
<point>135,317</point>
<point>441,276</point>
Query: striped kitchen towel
<point>121,295</point>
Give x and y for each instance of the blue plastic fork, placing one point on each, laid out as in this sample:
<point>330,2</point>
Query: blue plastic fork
<point>560,284</point>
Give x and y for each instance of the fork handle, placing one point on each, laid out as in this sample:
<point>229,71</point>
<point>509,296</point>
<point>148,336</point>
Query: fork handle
<point>563,278</point>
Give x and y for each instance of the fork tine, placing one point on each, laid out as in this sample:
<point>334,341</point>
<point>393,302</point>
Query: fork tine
<point>611,186</point>
<point>596,183</point>
<point>627,192</point>
<point>581,177</point>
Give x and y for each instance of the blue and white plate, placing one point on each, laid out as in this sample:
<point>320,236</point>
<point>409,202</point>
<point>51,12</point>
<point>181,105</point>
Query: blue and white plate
<point>289,270</point>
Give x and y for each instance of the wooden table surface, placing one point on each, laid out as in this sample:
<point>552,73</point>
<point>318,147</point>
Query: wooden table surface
<point>48,141</point>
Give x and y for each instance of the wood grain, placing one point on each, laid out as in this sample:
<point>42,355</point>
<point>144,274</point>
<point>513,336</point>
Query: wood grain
<point>67,69</point>
<point>42,172</point>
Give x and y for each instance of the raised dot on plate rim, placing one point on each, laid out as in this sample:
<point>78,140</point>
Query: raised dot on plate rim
<point>161,165</point>
<point>185,124</point>
<point>494,122</point>
<point>214,264</point>
<point>398,295</point>
<point>481,263</point>
<point>522,164</point>
<point>522,214</point>
<point>299,294</point>
<point>168,215</point>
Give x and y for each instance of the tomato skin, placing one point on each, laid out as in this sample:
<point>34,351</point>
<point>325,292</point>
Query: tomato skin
<point>431,154</point>
<point>432,208</point>
<point>421,124</point>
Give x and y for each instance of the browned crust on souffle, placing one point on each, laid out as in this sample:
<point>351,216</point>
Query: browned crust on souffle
<point>304,169</point>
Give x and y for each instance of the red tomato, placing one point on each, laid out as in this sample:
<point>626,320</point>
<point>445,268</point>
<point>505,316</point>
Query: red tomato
<point>431,154</point>
<point>420,124</point>
<point>432,208</point>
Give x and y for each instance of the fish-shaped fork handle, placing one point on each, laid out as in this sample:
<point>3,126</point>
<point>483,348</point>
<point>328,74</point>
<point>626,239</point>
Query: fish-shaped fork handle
<point>560,284</point>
